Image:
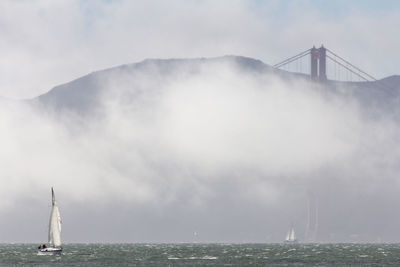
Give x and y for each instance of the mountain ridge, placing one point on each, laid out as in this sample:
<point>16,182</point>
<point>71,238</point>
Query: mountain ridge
<point>83,94</point>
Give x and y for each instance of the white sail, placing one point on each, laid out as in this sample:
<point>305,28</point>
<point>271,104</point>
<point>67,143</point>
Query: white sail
<point>288,236</point>
<point>55,223</point>
<point>292,235</point>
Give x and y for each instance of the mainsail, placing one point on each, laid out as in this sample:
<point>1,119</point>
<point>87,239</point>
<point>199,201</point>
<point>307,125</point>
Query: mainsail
<point>292,235</point>
<point>288,236</point>
<point>55,223</point>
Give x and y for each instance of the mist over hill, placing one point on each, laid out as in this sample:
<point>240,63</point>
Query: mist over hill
<point>85,95</point>
<point>226,147</point>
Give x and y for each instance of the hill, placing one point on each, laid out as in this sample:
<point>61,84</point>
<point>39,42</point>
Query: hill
<point>85,95</point>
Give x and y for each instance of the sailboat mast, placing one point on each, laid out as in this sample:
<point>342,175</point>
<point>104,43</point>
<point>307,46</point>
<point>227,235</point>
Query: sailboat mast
<point>53,199</point>
<point>316,220</point>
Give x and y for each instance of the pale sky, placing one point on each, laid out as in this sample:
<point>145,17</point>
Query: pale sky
<point>46,43</point>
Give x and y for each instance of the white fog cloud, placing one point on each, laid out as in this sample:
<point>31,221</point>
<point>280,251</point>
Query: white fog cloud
<point>198,139</point>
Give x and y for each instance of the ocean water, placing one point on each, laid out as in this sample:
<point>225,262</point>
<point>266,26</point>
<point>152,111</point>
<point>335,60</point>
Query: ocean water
<point>205,255</point>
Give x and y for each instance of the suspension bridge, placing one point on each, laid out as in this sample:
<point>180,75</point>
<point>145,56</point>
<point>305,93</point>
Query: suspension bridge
<point>321,64</point>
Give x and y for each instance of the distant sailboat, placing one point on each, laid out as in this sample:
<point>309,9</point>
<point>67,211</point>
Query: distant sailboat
<point>291,236</point>
<point>54,230</point>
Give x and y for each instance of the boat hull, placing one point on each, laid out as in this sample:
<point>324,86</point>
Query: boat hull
<point>49,251</point>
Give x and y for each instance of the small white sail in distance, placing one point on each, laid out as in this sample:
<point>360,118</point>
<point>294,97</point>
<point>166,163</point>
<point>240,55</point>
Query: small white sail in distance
<point>55,223</point>
<point>288,235</point>
<point>291,236</point>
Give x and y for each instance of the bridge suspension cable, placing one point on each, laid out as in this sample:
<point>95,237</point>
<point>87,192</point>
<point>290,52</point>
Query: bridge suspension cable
<point>291,59</point>
<point>349,69</point>
<point>357,71</point>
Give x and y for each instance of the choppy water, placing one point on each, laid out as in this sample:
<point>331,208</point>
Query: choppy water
<point>205,254</point>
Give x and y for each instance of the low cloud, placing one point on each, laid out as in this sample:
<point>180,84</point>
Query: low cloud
<point>196,151</point>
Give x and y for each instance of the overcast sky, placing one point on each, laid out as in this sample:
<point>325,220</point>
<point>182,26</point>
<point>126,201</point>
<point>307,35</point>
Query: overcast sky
<point>45,43</point>
<point>228,155</point>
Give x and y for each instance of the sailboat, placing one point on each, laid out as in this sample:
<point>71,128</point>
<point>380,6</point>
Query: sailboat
<point>54,230</point>
<point>291,236</point>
